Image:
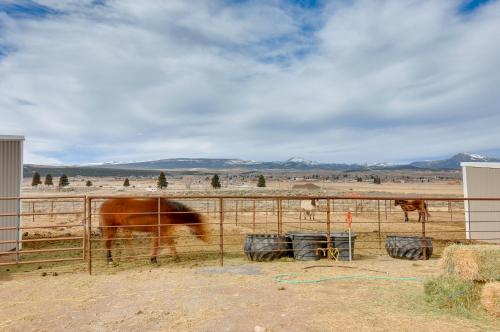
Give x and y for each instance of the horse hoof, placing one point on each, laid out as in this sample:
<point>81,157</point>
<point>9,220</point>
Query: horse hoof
<point>110,263</point>
<point>154,260</point>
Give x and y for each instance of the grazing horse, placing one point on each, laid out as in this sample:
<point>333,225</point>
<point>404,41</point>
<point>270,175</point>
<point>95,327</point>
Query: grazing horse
<point>414,205</point>
<point>309,207</point>
<point>141,215</point>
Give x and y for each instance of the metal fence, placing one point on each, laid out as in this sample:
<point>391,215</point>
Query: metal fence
<point>68,229</point>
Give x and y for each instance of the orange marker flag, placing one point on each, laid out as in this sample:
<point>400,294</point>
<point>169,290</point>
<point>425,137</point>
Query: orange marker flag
<point>349,218</point>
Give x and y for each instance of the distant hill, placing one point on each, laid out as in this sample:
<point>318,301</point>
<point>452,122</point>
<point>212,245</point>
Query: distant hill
<point>453,162</point>
<point>209,165</point>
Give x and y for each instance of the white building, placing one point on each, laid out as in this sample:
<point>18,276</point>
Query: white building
<point>482,218</point>
<point>11,176</point>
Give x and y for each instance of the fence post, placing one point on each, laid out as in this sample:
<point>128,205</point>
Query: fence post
<point>385,209</point>
<point>236,213</point>
<point>379,235</point>
<point>253,221</point>
<point>84,223</point>
<point>89,237</point>
<point>159,227</point>
<point>424,241</point>
<point>278,214</point>
<point>328,229</point>
<point>221,230</point>
<point>18,227</point>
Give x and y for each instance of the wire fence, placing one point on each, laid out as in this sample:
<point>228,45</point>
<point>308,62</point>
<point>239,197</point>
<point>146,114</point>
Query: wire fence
<point>76,229</point>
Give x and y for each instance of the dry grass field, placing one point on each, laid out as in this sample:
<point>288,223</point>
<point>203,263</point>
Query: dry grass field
<point>196,294</point>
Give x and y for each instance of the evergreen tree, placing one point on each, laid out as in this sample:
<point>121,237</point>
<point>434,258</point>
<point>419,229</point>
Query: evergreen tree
<point>35,181</point>
<point>162,181</point>
<point>377,180</point>
<point>48,180</point>
<point>126,183</point>
<point>63,181</point>
<point>216,182</point>
<point>262,181</point>
<point>88,183</point>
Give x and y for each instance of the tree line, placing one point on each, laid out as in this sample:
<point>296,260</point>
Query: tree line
<point>161,181</point>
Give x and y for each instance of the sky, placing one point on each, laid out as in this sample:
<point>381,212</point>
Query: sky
<point>331,81</point>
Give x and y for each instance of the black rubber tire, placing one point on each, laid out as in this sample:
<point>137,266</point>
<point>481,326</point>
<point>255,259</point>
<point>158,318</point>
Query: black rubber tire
<point>408,247</point>
<point>265,247</point>
<point>306,245</point>
<point>341,243</point>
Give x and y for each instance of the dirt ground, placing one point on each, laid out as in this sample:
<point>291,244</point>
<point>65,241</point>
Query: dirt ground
<point>241,296</point>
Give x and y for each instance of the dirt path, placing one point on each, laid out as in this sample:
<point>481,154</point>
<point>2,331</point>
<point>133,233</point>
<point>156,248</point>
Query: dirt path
<point>233,298</point>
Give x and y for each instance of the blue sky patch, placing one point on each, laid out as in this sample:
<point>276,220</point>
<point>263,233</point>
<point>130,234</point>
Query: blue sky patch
<point>27,9</point>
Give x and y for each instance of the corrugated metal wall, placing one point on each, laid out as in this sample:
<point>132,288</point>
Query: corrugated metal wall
<point>483,217</point>
<point>10,186</point>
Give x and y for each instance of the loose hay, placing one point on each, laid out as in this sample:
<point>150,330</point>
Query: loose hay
<point>472,262</point>
<point>490,298</point>
<point>452,292</point>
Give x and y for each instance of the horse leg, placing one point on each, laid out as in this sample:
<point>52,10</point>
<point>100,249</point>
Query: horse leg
<point>406,217</point>
<point>109,234</point>
<point>171,245</point>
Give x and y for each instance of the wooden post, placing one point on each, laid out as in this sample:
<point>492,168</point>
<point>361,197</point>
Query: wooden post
<point>221,230</point>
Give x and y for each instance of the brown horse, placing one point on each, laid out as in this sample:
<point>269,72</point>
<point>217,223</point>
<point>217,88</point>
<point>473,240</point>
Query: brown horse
<point>141,215</point>
<point>413,205</point>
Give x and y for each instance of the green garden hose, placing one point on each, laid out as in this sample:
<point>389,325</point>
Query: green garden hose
<point>281,278</point>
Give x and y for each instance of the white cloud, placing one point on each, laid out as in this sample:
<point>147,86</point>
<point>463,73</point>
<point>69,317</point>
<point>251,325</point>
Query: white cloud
<point>376,81</point>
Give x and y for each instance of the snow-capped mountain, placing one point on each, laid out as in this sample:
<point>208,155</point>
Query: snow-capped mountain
<point>453,162</point>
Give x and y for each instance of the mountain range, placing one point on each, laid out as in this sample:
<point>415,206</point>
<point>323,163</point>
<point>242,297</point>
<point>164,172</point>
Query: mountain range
<point>294,163</point>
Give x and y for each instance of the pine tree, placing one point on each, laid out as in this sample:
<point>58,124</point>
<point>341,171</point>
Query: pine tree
<point>63,181</point>
<point>48,180</point>
<point>262,181</point>
<point>162,181</point>
<point>88,183</point>
<point>126,183</point>
<point>35,181</point>
<point>215,182</point>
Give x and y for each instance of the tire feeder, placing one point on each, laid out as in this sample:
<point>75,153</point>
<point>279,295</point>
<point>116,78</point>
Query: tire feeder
<point>265,247</point>
<point>306,245</point>
<point>340,241</point>
<point>408,247</point>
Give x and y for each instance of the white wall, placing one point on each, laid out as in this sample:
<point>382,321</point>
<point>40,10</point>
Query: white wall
<point>482,218</point>
<point>11,161</point>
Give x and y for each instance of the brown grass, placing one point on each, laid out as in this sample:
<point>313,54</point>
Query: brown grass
<point>490,298</point>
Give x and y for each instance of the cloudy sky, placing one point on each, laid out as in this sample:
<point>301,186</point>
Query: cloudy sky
<point>333,81</point>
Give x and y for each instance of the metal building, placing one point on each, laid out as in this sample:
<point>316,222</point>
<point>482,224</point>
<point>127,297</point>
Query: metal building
<point>482,218</point>
<point>11,176</point>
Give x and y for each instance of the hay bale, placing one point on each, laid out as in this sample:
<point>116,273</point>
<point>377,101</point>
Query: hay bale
<point>472,262</point>
<point>490,298</point>
<point>452,292</point>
